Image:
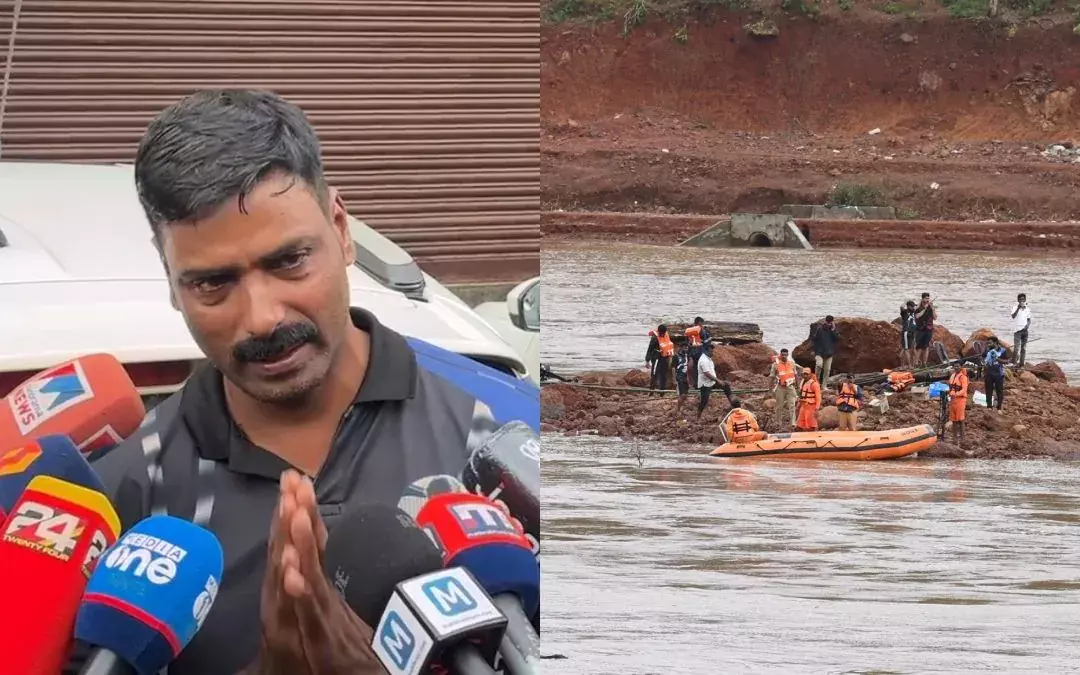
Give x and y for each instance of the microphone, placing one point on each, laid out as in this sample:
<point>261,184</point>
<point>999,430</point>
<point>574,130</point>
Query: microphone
<point>54,456</point>
<point>51,542</point>
<point>474,533</point>
<point>149,596</point>
<point>90,399</point>
<point>433,617</point>
<point>507,467</point>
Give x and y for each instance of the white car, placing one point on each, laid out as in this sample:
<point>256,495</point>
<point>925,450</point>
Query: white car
<point>79,274</point>
<point>518,321</point>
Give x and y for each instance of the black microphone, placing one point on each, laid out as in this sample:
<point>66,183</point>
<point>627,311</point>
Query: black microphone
<point>507,467</point>
<point>390,574</point>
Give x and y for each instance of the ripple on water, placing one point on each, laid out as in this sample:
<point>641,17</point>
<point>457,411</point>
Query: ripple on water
<point>672,568</point>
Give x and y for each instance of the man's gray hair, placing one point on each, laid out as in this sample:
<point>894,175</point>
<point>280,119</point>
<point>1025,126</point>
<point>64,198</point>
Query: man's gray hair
<point>217,145</point>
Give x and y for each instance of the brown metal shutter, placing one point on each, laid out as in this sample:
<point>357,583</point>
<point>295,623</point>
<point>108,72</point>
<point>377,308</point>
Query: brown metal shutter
<point>429,111</point>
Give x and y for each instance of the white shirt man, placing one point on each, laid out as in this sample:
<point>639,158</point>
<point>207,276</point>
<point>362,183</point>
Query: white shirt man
<point>706,377</point>
<point>1021,316</point>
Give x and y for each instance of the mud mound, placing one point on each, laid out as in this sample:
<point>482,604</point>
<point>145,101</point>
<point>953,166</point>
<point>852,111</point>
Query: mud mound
<point>867,346</point>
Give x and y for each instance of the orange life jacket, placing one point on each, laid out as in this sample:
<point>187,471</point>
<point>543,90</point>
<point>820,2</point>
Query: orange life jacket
<point>694,334</point>
<point>958,384</point>
<point>740,422</point>
<point>848,395</point>
<point>810,392</point>
<point>785,372</point>
<point>901,379</point>
<point>666,346</point>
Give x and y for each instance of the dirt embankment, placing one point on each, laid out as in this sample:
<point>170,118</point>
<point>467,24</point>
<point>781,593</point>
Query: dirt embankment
<point>1041,416</point>
<point>720,121</point>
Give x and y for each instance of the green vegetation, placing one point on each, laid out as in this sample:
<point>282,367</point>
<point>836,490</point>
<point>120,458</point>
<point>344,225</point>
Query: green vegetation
<point>851,194</point>
<point>635,12</point>
<point>980,9</point>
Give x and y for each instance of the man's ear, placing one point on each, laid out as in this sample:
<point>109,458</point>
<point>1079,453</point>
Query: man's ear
<point>339,220</point>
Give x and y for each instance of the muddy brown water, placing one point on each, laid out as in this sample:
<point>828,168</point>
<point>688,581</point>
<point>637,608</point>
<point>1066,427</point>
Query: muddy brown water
<point>676,564</point>
<point>601,300</point>
<point>660,562</point>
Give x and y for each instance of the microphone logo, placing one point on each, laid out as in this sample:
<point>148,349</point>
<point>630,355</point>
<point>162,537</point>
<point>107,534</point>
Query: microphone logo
<point>19,459</point>
<point>98,544</point>
<point>45,530</point>
<point>531,449</point>
<point>448,596</point>
<point>205,601</point>
<point>478,519</point>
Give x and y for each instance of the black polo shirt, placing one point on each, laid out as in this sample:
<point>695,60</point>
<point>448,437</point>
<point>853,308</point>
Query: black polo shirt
<point>190,460</point>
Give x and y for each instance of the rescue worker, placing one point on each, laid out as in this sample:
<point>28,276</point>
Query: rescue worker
<point>666,350</point>
<point>809,402</point>
<point>848,401</point>
<point>697,336</point>
<point>994,373</point>
<point>682,376</point>
<point>958,396</point>
<point>784,383</point>
<point>824,342</point>
<point>924,329</point>
<point>652,354</point>
<point>740,425</point>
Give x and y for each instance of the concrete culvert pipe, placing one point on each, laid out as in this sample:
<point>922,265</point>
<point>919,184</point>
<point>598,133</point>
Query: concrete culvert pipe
<point>760,239</point>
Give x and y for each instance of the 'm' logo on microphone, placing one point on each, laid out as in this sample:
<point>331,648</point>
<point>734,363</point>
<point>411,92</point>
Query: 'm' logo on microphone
<point>478,519</point>
<point>397,641</point>
<point>48,394</point>
<point>449,596</point>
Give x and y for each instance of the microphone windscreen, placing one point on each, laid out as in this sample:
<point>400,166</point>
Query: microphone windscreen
<point>54,456</point>
<point>371,550</point>
<point>151,592</point>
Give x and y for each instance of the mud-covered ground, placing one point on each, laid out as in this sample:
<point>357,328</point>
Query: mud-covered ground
<point>1039,419</point>
<point>944,119</point>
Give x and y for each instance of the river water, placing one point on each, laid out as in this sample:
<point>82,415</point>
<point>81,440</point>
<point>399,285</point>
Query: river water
<point>601,300</point>
<point>659,562</point>
<point>674,564</point>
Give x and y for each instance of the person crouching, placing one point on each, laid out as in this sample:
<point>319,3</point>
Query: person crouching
<point>740,425</point>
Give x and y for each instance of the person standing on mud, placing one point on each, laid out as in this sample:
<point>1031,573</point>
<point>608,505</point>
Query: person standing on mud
<point>665,349</point>
<point>697,336</point>
<point>907,334</point>
<point>994,373</point>
<point>682,374</point>
<point>784,383</point>
<point>1021,316</point>
<point>824,342</point>
<point>809,402</point>
<point>652,354</point>
<point>925,314</point>
<point>707,379</point>
<point>848,401</point>
<point>958,396</point>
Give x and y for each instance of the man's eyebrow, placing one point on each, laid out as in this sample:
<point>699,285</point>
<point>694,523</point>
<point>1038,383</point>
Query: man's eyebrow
<point>288,248</point>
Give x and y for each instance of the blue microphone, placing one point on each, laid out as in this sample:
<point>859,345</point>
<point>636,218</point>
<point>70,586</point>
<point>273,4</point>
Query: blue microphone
<point>148,596</point>
<point>54,455</point>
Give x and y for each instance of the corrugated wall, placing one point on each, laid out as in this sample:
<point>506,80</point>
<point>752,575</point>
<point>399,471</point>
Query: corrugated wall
<point>429,112</point>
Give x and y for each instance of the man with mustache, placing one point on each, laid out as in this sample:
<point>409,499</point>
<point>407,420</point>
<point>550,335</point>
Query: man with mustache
<point>308,407</point>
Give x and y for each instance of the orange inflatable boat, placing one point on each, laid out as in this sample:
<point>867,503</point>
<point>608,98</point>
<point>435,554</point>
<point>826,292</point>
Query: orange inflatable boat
<point>849,445</point>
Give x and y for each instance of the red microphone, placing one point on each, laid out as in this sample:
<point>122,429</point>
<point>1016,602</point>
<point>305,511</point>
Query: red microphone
<point>91,400</point>
<point>51,542</point>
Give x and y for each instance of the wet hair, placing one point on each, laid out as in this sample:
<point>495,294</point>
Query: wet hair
<point>218,144</point>
<point>829,318</point>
